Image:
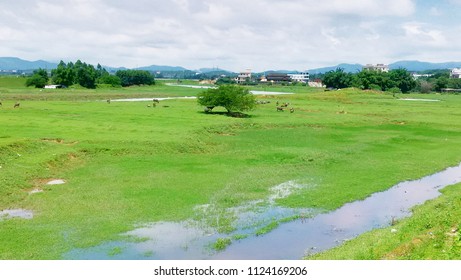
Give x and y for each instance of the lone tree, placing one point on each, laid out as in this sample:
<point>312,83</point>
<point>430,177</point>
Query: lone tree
<point>233,98</point>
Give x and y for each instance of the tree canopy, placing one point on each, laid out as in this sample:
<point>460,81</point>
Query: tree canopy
<point>38,79</point>
<point>135,77</point>
<point>78,73</point>
<point>233,98</point>
<point>399,79</point>
<point>337,79</point>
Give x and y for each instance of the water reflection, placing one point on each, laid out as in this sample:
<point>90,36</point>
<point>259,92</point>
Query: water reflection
<point>291,240</point>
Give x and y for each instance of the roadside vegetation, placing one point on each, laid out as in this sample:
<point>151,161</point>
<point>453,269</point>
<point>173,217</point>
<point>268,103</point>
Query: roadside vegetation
<point>130,163</point>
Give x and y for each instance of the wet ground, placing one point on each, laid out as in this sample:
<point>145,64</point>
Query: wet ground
<point>291,240</point>
<point>16,213</point>
<point>419,99</point>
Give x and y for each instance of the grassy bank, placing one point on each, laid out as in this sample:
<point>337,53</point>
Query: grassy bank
<point>126,163</point>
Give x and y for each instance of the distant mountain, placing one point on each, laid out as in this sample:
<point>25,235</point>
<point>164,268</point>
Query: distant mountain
<point>14,63</point>
<point>155,68</point>
<point>351,68</point>
<point>414,65</point>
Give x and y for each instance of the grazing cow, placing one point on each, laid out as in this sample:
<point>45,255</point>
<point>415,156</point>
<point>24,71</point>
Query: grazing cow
<point>292,110</point>
<point>1,104</point>
<point>108,101</point>
<point>16,105</point>
<point>279,109</point>
<point>155,100</point>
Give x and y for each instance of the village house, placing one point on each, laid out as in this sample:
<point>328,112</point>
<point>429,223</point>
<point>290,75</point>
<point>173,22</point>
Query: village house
<point>244,76</point>
<point>278,77</point>
<point>455,73</point>
<point>302,77</point>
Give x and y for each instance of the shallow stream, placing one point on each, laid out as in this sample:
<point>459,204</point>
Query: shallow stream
<point>291,240</point>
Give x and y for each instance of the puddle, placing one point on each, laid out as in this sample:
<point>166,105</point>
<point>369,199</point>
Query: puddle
<point>164,241</point>
<point>419,99</point>
<point>291,240</point>
<point>56,182</point>
<point>257,92</point>
<point>193,239</point>
<point>36,190</point>
<point>149,99</point>
<point>190,86</point>
<point>16,213</point>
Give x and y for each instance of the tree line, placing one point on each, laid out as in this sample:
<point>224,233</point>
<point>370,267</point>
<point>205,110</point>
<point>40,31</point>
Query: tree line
<point>437,80</point>
<point>397,80</point>
<point>88,76</point>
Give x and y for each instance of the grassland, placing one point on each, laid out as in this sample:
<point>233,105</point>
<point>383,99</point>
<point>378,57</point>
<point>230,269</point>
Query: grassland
<point>125,163</point>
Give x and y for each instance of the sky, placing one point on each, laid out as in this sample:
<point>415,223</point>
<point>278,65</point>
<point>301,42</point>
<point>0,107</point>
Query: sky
<point>231,34</point>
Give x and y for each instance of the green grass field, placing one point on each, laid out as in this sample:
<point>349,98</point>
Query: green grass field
<point>125,163</point>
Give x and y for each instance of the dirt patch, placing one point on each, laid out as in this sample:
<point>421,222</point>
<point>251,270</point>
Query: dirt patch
<point>53,140</point>
<point>58,141</point>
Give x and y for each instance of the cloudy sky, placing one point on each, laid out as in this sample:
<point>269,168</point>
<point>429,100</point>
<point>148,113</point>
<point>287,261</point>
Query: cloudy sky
<point>231,34</point>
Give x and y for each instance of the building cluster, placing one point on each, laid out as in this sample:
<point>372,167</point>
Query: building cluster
<point>273,77</point>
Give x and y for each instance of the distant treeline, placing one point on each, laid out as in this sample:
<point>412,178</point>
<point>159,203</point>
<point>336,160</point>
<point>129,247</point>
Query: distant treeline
<point>397,80</point>
<point>86,75</point>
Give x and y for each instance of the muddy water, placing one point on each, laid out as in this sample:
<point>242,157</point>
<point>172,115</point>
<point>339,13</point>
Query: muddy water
<point>291,240</point>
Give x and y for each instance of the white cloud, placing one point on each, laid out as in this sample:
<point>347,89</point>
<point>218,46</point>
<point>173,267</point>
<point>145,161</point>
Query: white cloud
<point>260,34</point>
<point>419,34</point>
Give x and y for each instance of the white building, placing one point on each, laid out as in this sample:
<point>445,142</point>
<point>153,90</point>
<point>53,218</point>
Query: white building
<point>244,76</point>
<point>300,77</point>
<point>455,73</point>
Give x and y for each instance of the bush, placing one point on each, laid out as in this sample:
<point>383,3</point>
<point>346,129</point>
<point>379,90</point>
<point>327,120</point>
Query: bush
<point>394,90</point>
<point>39,79</point>
<point>111,80</point>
